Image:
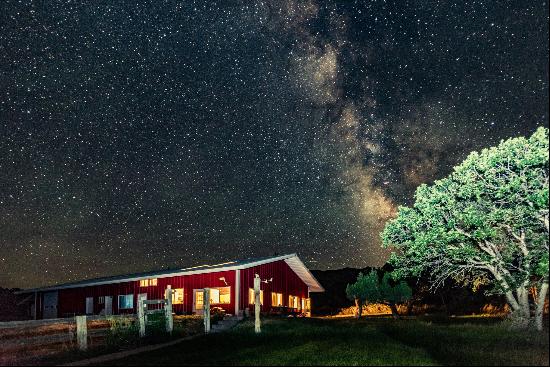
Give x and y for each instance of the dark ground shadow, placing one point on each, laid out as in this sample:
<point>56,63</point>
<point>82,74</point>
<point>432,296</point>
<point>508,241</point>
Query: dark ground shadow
<point>471,344</point>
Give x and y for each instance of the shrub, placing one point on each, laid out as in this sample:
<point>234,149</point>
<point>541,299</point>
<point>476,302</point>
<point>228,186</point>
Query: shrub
<point>122,331</point>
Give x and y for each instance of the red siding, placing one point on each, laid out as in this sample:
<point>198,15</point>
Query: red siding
<point>285,281</point>
<point>73,301</point>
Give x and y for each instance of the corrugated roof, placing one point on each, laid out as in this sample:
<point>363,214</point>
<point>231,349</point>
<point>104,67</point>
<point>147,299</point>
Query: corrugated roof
<point>292,260</point>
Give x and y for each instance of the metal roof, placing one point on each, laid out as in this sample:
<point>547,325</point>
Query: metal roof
<point>292,260</point>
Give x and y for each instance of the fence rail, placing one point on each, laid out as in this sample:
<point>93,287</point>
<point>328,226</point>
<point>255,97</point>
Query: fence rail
<point>65,320</point>
<point>20,340</point>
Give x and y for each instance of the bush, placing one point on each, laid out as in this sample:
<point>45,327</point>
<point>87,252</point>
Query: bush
<point>188,325</point>
<point>216,314</point>
<point>122,331</point>
<point>156,324</point>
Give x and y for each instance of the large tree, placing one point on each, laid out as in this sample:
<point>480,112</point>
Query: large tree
<point>486,223</point>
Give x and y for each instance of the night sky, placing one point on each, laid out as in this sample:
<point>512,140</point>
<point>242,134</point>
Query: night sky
<point>136,137</point>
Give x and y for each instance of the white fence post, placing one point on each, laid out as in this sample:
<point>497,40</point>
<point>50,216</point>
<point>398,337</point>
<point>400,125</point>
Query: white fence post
<point>81,332</point>
<point>206,309</point>
<point>257,323</point>
<point>168,310</point>
<point>141,315</point>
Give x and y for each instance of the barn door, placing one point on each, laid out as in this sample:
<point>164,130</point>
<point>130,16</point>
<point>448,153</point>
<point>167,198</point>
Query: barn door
<point>197,300</point>
<point>89,305</point>
<point>108,305</point>
<point>50,305</point>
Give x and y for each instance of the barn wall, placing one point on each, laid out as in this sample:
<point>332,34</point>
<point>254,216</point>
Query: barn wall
<point>73,301</point>
<point>285,281</point>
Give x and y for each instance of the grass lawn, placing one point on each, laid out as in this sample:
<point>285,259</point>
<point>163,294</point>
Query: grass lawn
<point>380,341</point>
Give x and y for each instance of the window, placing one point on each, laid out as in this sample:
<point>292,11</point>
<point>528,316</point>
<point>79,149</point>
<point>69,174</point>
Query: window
<point>148,282</point>
<point>126,301</point>
<point>101,300</point>
<point>177,296</point>
<point>218,296</point>
<point>292,301</point>
<point>276,299</point>
<point>251,296</point>
<point>307,306</point>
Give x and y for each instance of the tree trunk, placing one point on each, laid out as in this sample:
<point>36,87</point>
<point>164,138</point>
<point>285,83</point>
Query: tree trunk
<point>519,304</point>
<point>359,306</point>
<point>524,312</point>
<point>410,308</point>
<point>394,312</point>
<point>539,312</point>
<point>521,313</point>
<point>523,300</point>
<point>510,297</point>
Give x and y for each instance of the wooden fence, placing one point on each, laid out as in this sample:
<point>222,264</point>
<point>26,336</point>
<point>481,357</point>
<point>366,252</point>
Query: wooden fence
<point>167,311</point>
<point>24,340</point>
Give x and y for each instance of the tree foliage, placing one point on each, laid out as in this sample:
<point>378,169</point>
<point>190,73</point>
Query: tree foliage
<point>364,288</point>
<point>398,293</point>
<point>487,222</point>
<point>370,289</point>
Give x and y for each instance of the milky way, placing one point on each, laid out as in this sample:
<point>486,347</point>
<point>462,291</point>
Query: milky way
<point>175,133</point>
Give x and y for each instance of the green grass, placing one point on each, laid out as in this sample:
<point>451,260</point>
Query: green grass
<point>379,341</point>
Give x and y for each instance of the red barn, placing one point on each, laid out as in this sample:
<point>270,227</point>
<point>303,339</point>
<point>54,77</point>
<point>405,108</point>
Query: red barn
<point>286,282</point>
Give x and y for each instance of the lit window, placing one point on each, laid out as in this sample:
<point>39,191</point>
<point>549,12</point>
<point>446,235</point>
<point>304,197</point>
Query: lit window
<point>148,282</point>
<point>218,296</point>
<point>126,301</point>
<point>276,299</point>
<point>293,302</point>
<point>251,296</point>
<point>101,300</point>
<point>177,296</point>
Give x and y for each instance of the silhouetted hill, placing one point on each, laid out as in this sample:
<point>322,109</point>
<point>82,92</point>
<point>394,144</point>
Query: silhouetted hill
<point>452,298</point>
<point>335,282</point>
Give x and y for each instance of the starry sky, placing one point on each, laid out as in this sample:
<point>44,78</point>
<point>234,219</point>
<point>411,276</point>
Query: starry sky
<point>137,136</point>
